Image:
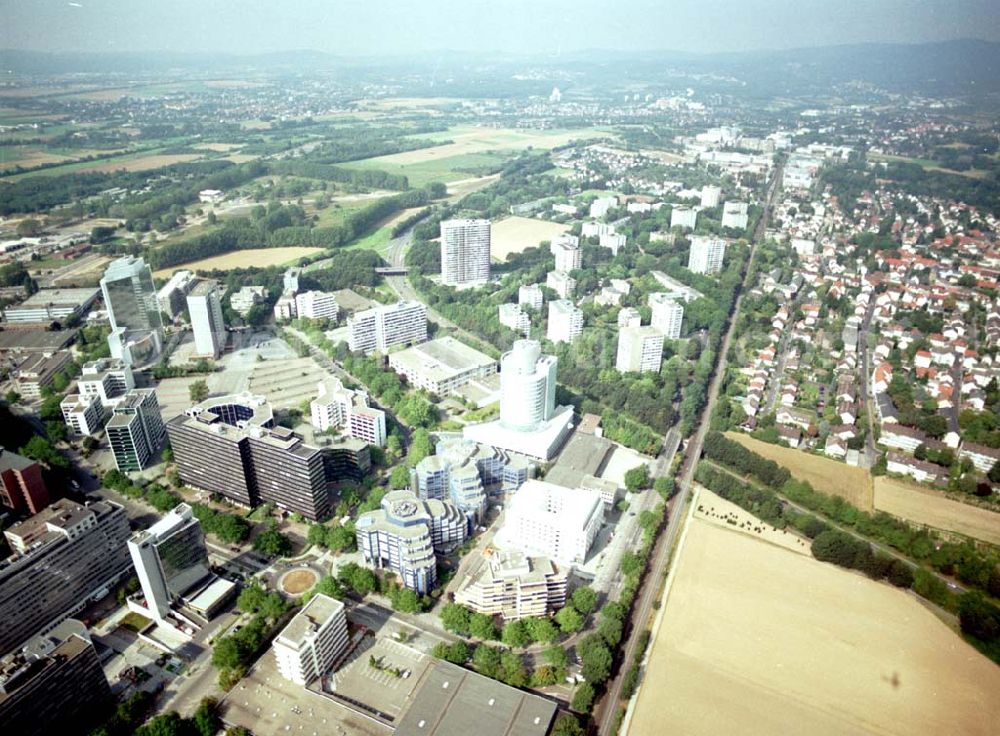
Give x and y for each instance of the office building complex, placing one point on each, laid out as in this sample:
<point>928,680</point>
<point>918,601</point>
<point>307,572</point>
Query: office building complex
<point>170,298</point>
<point>316,305</point>
<point>135,431</point>
<point>561,283</point>
<point>442,366</point>
<point>37,372</point>
<point>706,254</point>
<point>565,321</point>
<point>381,328</point>
<point>63,556</point>
<point>205,307</point>
<point>170,558</point>
<point>247,298</point>
<point>84,415</point>
<point>512,585</point>
<point>734,215</point>
<point>552,521</point>
<point>640,349</point>
<point>22,488</point>
<point>336,406</point>
<point>465,252</point>
<point>130,298</point>
<point>231,445</point>
<point>107,379</point>
<point>51,305</point>
<point>312,642</point>
<point>530,296</point>
<point>667,314</point>
<point>56,686</point>
<point>530,423</point>
<point>404,534</point>
<point>454,474</point>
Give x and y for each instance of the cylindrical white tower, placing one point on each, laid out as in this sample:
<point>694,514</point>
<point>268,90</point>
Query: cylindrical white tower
<point>526,398</point>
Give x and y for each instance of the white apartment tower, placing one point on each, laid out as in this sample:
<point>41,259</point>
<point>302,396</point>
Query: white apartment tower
<point>381,328</point>
<point>465,252</point>
<point>568,254</point>
<point>667,314</point>
<point>710,196</point>
<point>565,321</point>
<point>530,296</point>
<point>337,406</point>
<point>313,641</point>
<point>735,215</point>
<point>205,307</point>
<point>640,350</point>
<point>706,254</point>
<point>683,216</point>
<point>561,283</point>
<point>527,386</point>
<point>316,305</point>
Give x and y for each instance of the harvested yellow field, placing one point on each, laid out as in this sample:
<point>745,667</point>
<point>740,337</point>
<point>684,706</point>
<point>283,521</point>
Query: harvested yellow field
<point>142,163</point>
<point>458,189</point>
<point>825,475</point>
<point>30,159</point>
<point>259,257</point>
<point>756,640</point>
<point>515,234</point>
<point>218,147</point>
<point>719,511</point>
<point>934,509</point>
<point>469,139</point>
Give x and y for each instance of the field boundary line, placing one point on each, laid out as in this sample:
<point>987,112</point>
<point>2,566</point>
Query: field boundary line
<point>658,621</point>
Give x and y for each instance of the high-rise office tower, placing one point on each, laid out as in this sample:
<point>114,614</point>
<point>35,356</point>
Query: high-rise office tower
<point>130,298</point>
<point>667,314</point>
<point>706,254</point>
<point>640,349</point>
<point>465,252</point>
<point>170,558</point>
<point>205,307</point>
<point>64,556</point>
<point>527,386</point>
<point>136,430</point>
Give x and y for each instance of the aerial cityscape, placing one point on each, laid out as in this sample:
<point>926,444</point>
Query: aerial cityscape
<point>499,370</point>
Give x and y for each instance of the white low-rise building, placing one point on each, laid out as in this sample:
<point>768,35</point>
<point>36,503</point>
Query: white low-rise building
<point>441,366</point>
<point>316,305</point>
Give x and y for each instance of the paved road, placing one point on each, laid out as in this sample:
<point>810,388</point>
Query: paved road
<point>607,710</point>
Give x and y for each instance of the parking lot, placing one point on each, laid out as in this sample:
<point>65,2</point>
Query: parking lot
<point>379,687</point>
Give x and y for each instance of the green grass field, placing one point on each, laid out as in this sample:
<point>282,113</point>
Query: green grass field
<point>451,168</point>
<point>377,241</point>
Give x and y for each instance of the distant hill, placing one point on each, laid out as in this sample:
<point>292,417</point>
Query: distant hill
<point>952,67</point>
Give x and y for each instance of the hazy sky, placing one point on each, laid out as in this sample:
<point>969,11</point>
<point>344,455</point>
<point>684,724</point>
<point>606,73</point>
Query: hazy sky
<point>370,27</point>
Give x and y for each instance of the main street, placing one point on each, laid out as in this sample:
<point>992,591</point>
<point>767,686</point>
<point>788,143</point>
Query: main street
<point>607,711</point>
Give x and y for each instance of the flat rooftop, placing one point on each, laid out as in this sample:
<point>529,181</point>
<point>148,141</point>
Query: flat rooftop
<point>35,340</point>
<point>59,297</point>
<point>441,359</point>
<point>584,454</point>
<point>314,614</point>
<point>452,701</point>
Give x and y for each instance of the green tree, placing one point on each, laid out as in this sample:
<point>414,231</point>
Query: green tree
<point>227,653</point>
<point>272,543</point>
<point>481,626</point>
<point>317,535</point>
<point>206,718</point>
<point>420,447</point>
<point>637,478</point>
<point>167,724</point>
<point>567,725</point>
<point>515,635</point>
<point>198,391</point>
<point>341,538</point>
<point>541,629</point>
<point>399,478</point>
<point>569,619</point>
<point>584,599</point>
<point>583,698</point>
<point>556,656</point>
<point>596,658</point>
<point>455,618</point>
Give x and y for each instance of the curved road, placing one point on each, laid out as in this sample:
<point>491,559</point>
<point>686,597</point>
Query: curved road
<point>607,711</point>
